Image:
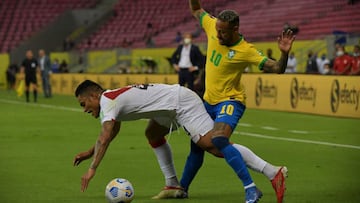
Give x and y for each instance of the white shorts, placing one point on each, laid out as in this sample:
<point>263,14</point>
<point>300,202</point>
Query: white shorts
<point>191,115</point>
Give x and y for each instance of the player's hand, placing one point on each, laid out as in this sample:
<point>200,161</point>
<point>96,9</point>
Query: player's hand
<point>192,69</point>
<point>81,157</point>
<point>177,68</point>
<point>85,179</point>
<point>285,41</point>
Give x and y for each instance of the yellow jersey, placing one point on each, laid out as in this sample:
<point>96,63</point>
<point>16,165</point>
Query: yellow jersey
<point>225,65</point>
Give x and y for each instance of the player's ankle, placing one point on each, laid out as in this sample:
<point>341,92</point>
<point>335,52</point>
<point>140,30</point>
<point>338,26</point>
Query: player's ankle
<point>270,171</point>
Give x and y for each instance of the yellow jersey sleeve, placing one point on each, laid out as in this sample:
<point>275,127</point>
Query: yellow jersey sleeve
<point>207,22</point>
<point>253,56</point>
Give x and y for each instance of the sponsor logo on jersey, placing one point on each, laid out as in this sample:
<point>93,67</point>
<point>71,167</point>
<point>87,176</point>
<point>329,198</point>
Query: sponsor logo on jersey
<point>231,54</point>
<point>260,53</point>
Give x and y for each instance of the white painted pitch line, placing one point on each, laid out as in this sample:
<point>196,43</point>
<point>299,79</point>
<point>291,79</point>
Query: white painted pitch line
<point>298,131</point>
<point>273,128</point>
<point>298,140</point>
<point>41,105</point>
<point>269,128</point>
<point>245,124</point>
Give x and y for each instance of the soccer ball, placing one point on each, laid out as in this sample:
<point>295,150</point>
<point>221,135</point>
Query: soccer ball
<point>119,190</point>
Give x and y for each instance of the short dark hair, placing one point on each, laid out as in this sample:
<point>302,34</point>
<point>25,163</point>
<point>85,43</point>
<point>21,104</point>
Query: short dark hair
<point>87,86</point>
<point>229,16</point>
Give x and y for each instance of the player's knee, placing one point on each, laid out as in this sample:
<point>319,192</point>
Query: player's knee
<point>220,142</point>
<point>154,137</point>
<point>150,134</point>
<point>210,148</point>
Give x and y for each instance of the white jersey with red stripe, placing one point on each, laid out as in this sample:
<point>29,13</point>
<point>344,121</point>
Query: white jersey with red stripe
<point>166,104</point>
<point>138,101</point>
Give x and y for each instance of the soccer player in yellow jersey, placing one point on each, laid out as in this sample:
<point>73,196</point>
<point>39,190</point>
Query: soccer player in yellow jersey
<point>228,54</point>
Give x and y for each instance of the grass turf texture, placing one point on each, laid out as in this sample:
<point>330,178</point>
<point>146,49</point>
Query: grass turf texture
<point>38,143</point>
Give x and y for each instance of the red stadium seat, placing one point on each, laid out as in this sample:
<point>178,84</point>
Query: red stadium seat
<point>260,20</point>
<point>21,18</point>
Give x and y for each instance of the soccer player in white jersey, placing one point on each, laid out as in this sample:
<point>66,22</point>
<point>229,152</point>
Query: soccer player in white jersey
<point>167,106</point>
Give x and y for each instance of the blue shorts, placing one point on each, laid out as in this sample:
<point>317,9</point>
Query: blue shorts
<point>228,112</point>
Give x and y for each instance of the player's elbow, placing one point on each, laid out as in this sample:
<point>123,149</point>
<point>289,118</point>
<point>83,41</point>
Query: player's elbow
<point>275,69</point>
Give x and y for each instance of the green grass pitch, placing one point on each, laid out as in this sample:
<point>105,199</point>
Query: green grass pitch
<point>38,143</point>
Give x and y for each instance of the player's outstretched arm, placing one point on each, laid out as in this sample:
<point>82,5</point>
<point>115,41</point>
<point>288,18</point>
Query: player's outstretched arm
<point>83,156</point>
<point>284,42</point>
<point>108,132</point>
<point>196,9</point>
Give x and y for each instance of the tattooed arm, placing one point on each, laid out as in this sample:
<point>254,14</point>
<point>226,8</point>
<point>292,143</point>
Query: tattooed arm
<point>285,42</point>
<point>108,133</point>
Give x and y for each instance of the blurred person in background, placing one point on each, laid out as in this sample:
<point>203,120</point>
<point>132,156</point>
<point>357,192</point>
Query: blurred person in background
<point>30,67</point>
<point>291,64</point>
<point>187,60</point>
<point>269,55</point>
<point>197,32</point>
<point>178,37</point>
<point>327,69</point>
<point>321,61</point>
<point>342,62</point>
<point>333,56</point>
<point>45,68</point>
<point>148,36</point>
<point>11,75</point>
<point>55,66</point>
<point>63,67</point>
<point>355,65</point>
<point>311,64</point>
<point>68,44</point>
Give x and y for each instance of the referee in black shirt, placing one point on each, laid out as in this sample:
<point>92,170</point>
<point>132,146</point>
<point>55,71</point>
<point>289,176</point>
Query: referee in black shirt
<point>30,67</point>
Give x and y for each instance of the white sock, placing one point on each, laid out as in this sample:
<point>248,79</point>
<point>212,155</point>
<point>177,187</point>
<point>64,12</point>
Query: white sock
<point>270,171</point>
<point>251,159</point>
<point>164,157</point>
<point>256,163</point>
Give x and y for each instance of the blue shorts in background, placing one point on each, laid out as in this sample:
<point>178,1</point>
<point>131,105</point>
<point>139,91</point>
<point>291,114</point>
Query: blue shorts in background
<point>228,112</point>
